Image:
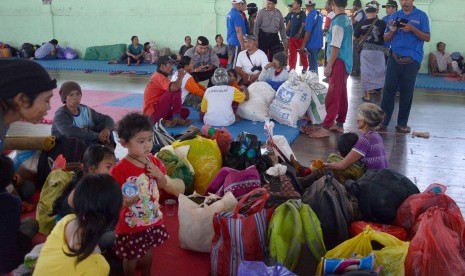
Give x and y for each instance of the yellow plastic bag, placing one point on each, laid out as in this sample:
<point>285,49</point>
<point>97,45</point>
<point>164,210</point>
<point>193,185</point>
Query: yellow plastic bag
<point>391,256</point>
<point>205,157</point>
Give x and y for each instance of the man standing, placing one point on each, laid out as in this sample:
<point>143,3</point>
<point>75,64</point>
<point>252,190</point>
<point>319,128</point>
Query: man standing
<point>358,16</point>
<point>235,32</point>
<point>268,24</point>
<point>204,60</point>
<point>338,68</point>
<point>251,61</point>
<point>296,27</point>
<point>391,7</point>
<point>408,30</point>
<point>162,97</point>
<point>313,39</point>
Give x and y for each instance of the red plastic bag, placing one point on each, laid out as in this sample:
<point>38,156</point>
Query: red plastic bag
<point>223,138</point>
<point>240,235</point>
<point>417,204</point>
<point>59,163</point>
<point>437,248</point>
<point>358,227</point>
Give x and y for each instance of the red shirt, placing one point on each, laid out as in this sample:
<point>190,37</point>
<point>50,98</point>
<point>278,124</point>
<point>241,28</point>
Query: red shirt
<point>146,212</point>
<point>157,86</point>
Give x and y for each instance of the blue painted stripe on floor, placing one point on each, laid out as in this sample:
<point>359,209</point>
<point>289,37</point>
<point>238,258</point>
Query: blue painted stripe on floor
<point>131,101</point>
<point>95,65</point>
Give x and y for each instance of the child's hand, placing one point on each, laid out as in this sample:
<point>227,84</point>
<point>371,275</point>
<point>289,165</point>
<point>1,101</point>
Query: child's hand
<point>153,170</point>
<point>129,201</point>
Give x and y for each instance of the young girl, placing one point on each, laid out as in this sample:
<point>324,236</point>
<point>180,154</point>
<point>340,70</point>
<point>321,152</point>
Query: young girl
<point>369,147</point>
<point>140,225</point>
<point>97,159</point>
<point>72,248</point>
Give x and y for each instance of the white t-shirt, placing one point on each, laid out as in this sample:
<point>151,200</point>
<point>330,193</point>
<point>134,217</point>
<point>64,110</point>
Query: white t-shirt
<point>219,112</point>
<point>184,91</point>
<point>443,60</point>
<point>258,58</point>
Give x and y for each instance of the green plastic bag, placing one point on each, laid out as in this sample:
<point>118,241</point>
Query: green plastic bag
<point>353,172</point>
<point>106,52</point>
<point>293,226</point>
<point>176,168</point>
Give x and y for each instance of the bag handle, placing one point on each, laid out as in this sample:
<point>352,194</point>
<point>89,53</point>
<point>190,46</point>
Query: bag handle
<point>256,206</point>
<point>365,36</point>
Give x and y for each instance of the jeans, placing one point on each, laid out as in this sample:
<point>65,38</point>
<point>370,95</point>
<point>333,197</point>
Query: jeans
<point>404,77</point>
<point>313,60</point>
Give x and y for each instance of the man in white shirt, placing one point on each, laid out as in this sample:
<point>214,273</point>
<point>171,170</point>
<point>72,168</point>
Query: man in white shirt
<point>251,61</point>
<point>440,63</point>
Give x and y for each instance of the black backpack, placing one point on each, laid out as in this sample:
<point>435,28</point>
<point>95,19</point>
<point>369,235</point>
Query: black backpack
<point>27,50</point>
<point>334,206</point>
<point>245,152</point>
<point>72,149</point>
<point>381,194</point>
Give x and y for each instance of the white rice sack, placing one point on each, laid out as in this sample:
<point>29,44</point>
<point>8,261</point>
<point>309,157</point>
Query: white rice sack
<point>291,102</point>
<point>317,109</point>
<point>261,94</point>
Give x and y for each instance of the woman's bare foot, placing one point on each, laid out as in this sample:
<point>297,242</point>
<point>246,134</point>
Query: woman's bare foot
<point>337,128</point>
<point>320,133</point>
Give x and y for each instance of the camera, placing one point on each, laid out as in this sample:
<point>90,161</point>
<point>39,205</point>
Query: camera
<point>255,68</point>
<point>400,22</point>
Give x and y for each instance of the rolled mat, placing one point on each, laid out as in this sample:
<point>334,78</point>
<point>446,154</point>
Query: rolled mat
<point>45,143</point>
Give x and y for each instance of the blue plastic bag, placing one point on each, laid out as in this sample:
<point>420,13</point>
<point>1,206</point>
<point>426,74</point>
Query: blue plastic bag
<point>249,268</point>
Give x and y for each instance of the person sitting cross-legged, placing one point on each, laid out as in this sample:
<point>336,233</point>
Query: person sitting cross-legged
<point>251,61</point>
<point>162,97</point>
<point>441,64</point>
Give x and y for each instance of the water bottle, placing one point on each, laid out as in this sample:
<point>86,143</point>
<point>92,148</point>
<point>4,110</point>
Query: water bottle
<point>254,118</point>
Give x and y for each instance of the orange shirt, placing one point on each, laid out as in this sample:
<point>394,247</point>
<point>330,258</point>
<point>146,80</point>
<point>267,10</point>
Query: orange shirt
<point>157,86</point>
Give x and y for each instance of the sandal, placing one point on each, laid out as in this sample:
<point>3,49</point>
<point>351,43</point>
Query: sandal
<point>381,128</point>
<point>402,129</point>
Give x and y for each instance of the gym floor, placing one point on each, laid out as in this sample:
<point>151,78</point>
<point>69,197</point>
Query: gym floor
<point>439,159</point>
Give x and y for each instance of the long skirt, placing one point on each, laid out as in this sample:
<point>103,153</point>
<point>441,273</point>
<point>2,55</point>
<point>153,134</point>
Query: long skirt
<point>373,69</point>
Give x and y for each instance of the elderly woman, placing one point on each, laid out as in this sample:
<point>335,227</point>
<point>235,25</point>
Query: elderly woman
<point>216,106</point>
<point>75,120</point>
<point>370,34</point>
<point>26,90</point>
<point>274,72</point>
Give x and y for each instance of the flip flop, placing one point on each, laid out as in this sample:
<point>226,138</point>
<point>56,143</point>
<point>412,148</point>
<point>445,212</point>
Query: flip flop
<point>366,100</point>
<point>116,72</point>
<point>403,129</point>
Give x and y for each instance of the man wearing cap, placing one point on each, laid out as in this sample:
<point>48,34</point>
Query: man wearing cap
<point>252,12</point>
<point>313,39</point>
<point>408,30</point>
<point>268,24</point>
<point>251,61</point>
<point>162,97</point>
<point>236,30</point>
<point>204,60</point>
<point>296,26</point>
<point>391,7</point>
<point>26,89</point>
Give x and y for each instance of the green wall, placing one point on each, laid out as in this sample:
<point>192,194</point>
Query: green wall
<point>84,23</point>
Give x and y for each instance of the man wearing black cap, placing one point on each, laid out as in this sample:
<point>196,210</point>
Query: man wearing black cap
<point>391,7</point>
<point>204,60</point>
<point>296,27</point>
<point>26,90</point>
<point>251,61</point>
<point>268,24</point>
<point>162,97</point>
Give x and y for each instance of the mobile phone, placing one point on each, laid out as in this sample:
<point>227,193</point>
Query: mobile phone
<point>400,22</point>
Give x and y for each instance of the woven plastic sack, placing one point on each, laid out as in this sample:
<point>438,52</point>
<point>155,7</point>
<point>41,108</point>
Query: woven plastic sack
<point>257,107</point>
<point>205,157</point>
<point>391,256</point>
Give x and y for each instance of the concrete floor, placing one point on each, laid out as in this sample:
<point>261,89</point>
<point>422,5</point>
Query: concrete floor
<point>439,159</point>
